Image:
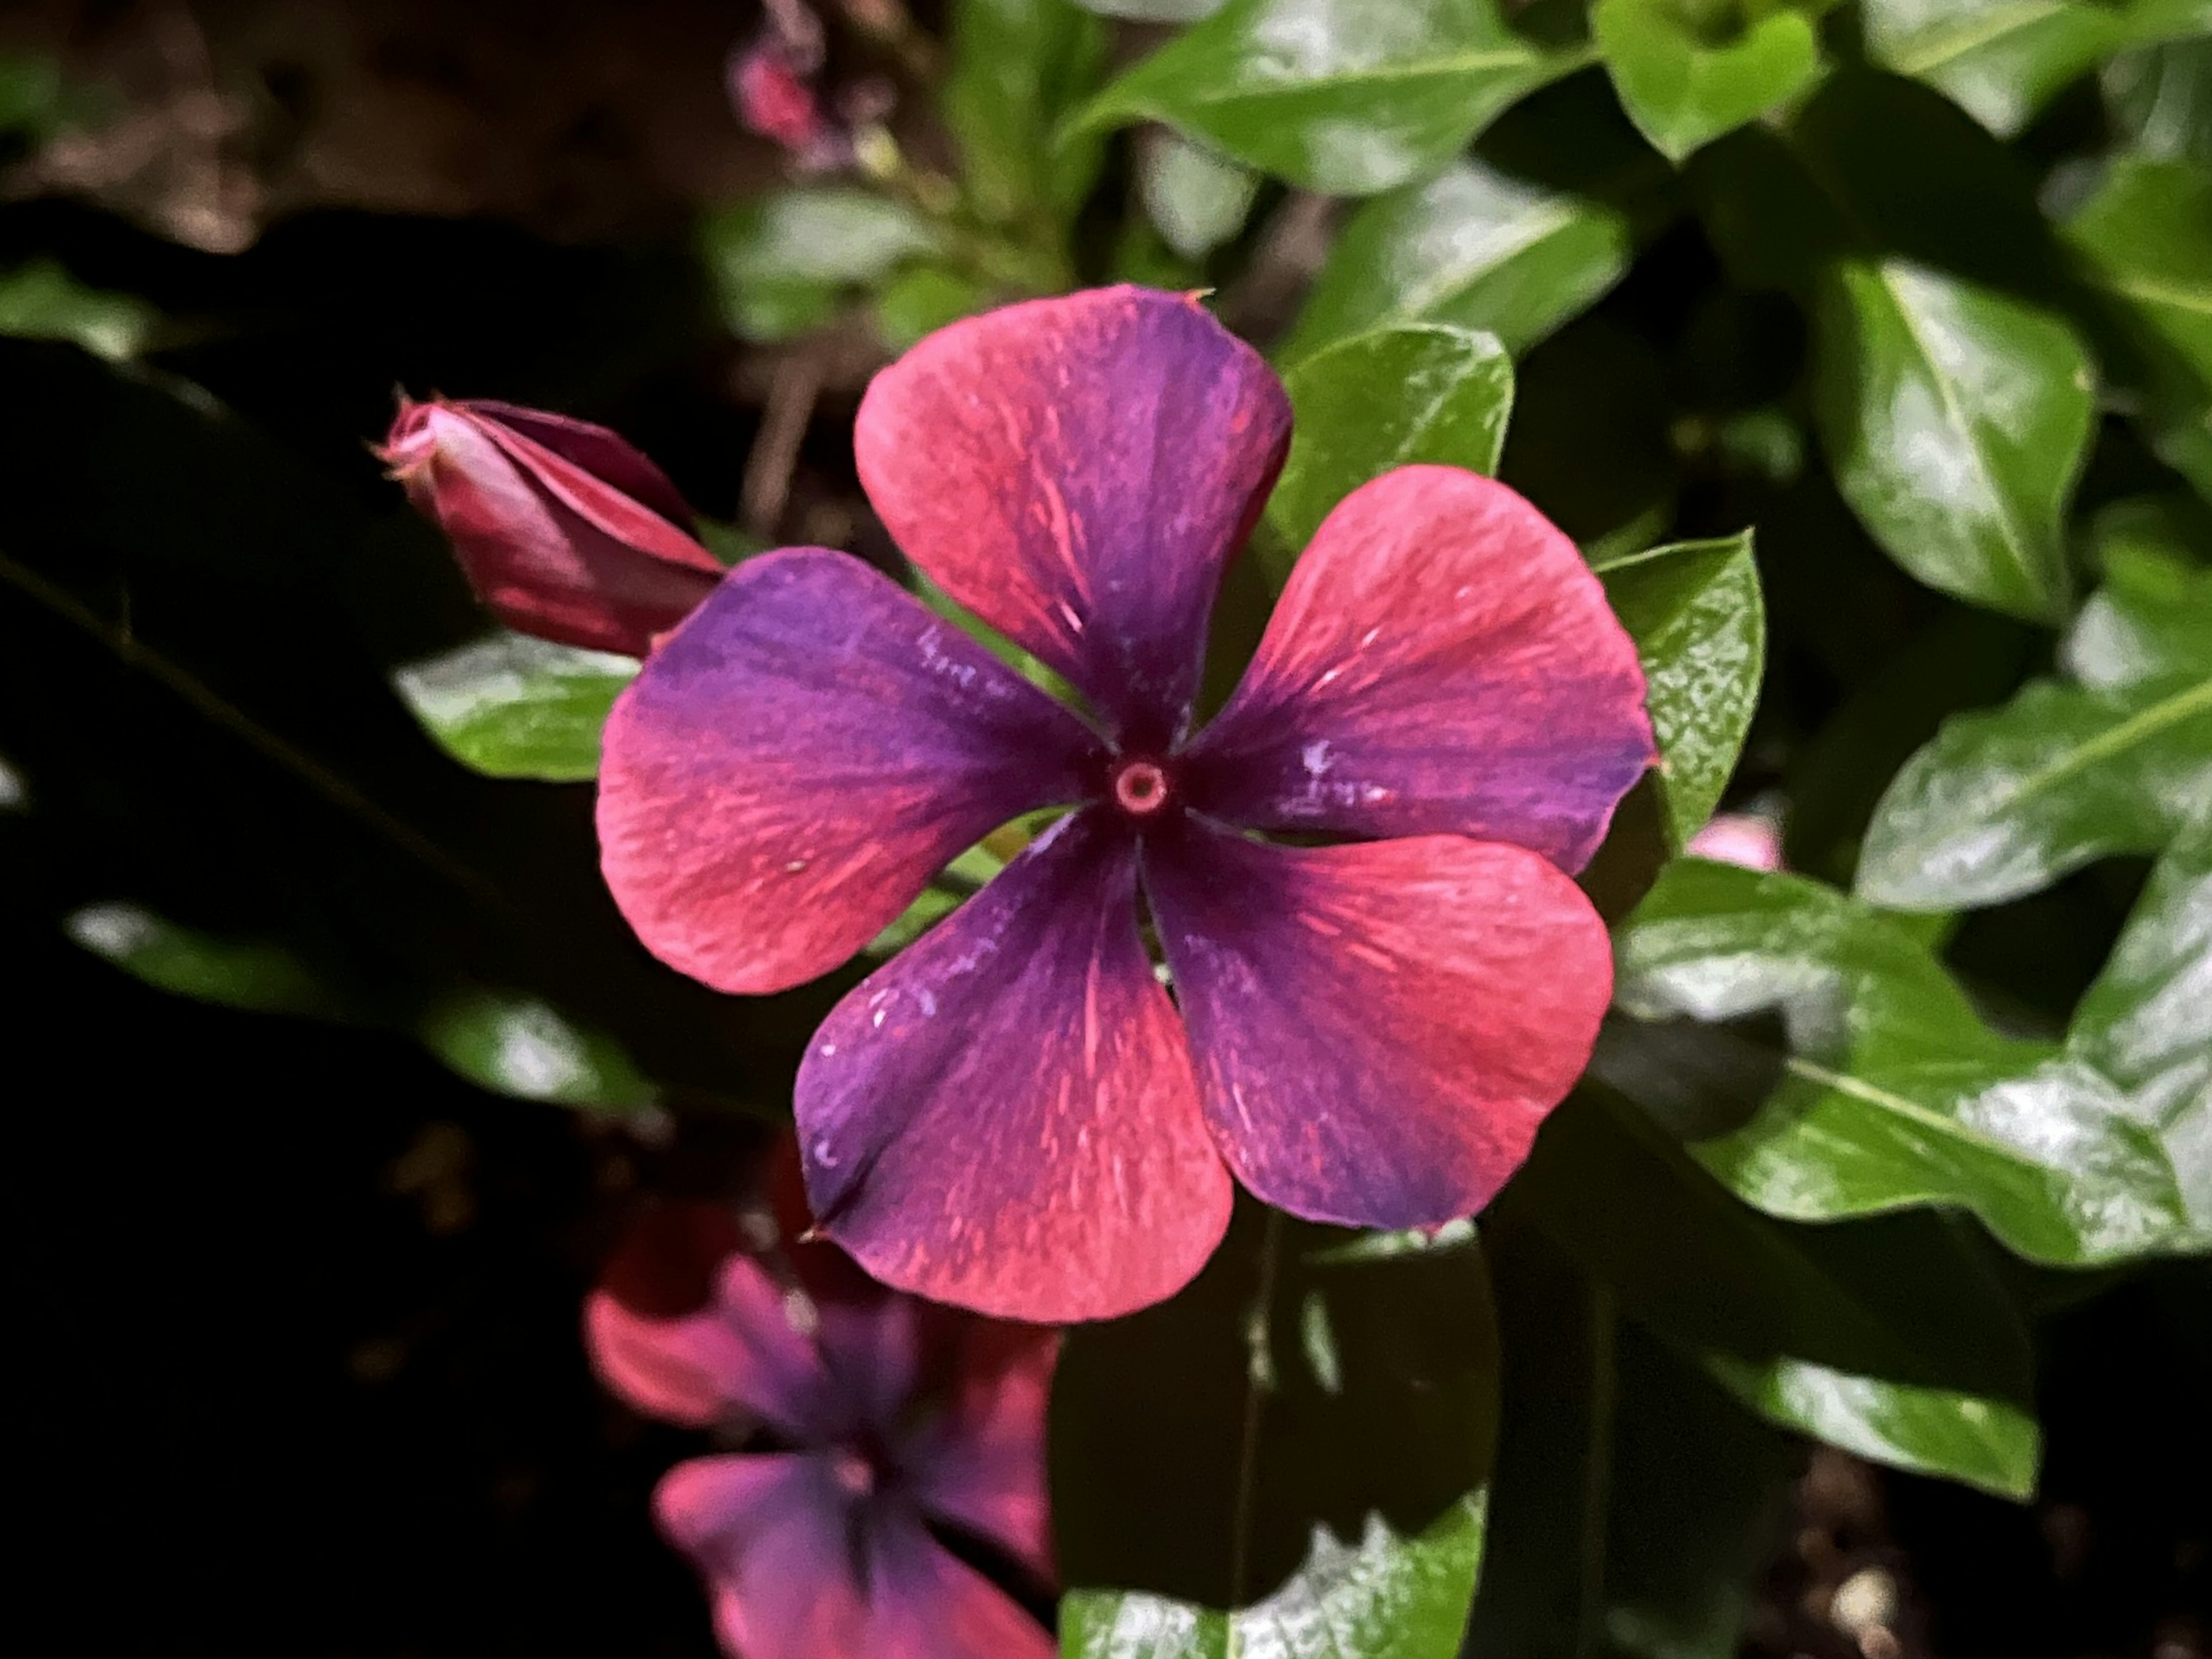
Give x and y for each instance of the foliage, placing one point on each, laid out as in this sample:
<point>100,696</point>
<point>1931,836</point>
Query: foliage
<point>1865,348</point>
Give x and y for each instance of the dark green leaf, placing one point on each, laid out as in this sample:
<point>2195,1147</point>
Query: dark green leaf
<point>1471,247</point>
<point>1389,1597</point>
<point>1699,624</point>
<point>1018,66</point>
<point>1343,96</point>
<point>1895,1093</point>
<point>1396,397</point>
<point>2160,100</point>
<point>783,264</point>
<point>1154,11</point>
<point>1197,1445</point>
<point>255,974</point>
<point>514,707</point>
<point>1683,89</point>
<point>920,301</point>
<point>42,301</point>
<point>2001,60</point>
<point>1956,420</point>
<point>517,1045</point>
<point>2146,236</point>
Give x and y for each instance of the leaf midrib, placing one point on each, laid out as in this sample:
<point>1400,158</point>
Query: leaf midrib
<point>1383,74</point>
<point>1940,46</point>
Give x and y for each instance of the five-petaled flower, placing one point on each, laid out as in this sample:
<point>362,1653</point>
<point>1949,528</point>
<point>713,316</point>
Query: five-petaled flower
<point>564,530</point>
<point>881,1426</point>
<point>1368,1023</point>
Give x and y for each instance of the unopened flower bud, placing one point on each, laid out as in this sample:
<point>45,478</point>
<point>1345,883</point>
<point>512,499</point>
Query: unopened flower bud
<point>564,530</point>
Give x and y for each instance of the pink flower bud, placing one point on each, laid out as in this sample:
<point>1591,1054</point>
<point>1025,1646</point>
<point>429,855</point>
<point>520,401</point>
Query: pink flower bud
<point>773,100</point>
<point>1750,839</point>
<point>564,530</point>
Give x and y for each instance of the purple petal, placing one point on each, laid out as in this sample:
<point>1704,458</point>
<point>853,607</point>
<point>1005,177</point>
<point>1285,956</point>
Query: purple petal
<point>980,1462</point>
<point>801,1565</point>
<point>1378,1028</point>
<point>794,763</point>
<point>1004,1116</point>
<point>1077,472</point>
<point>741,1356</point>
<point>1441,660</point>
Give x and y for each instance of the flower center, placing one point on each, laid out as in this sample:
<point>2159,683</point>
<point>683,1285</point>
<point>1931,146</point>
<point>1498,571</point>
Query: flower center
<point>1141,788</point>
<point>854,1473</point>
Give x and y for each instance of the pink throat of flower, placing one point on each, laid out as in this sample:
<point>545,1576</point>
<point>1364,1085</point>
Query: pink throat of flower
<point>853,1472</point>
<point>1141,788</point>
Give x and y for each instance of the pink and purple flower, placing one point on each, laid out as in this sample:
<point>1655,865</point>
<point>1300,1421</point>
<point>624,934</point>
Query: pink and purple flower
<point>879,1429</point>
<point>1358,873</point>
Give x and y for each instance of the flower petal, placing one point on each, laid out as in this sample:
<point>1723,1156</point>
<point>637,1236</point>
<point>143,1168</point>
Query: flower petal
<point>1441,660</point>
<point>802,1568</point>
<point>980,1464</point>
<point>796,761</point>
<point>742,1354</point>
<point>605,455</point>
<point>552,549</point>
<point>1378,1028</point>
<point>1004,1116</point>
<point>1077,472</point>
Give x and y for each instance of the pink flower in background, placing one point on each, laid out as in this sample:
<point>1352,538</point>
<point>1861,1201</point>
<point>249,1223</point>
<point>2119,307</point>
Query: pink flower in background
<point>563,529</point>
<point>1013,1114</point>
<point>876,1426</point>
<point>1750,839</point>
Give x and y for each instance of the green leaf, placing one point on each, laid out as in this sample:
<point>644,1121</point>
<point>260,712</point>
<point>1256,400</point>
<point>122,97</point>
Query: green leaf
<point>1699,623</point>
<point>783,264</point>
<point>2003,803</point>
<point>2001,60</point>
<point>42,301</point>
<point>1154,11</point>
<point>1392,397</point>
<point>2146,1022</point>
<point>2146,237</point>
<point>920,301</point>
<point>513,707</point>
<point>1196,1446</point>
<point>1683,89</point>
<point>237,973</point>
<point>2159,99</point>
<point>1923,1359</point>
<point>1195,199</point>
<point>1894,1093</point>
<point>1471,247</point>
<point>517,1045</point>
<point>1018,66</point>
<point>1347,97</point>
<point>1990,1443</point>
<point>1387,1598</point>
<point>1956,420</point>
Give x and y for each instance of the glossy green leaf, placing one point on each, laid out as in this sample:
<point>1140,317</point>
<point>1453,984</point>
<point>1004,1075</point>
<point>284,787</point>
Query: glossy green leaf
<point>1471,247</point>
<point>41,301</point>
<point>1195,199</point>
<point>1891,1336</point>
<point>1154,11</point>
<point>1196,1446</point>
<point>1684,89</point>
<point>2001,60</point>
<point>1699,624</point>
<point>517,1045</point>
<point>783,264</point>
<point>1894,1093</point>
<point>2146,1022</point>
<point>923,299</point>
<point>1018,66</point>
<point>513,707</point>
<point>237,973</point>
<point>1398,396</point>
<point>1956,421</point>
<point>2159,99</point>
<point>1345,96</point>
<point>1990,1444</point>
<point>1387,1597</point>
<point>2151,621</point>
<point>2003,803</point>
<point>2146,237</point>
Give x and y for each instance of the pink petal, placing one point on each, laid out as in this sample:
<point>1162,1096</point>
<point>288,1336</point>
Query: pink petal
<point>1378,1028</point>
<point>551,549</point>
<point>980,1464</point>
<point>741,1356</point>
<point>800,1568</point>
<point>1441,660</point>
<point>602,454</point>
<point>1004,1116</point>
<point>1077,472</point>
<point>796,761</point>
